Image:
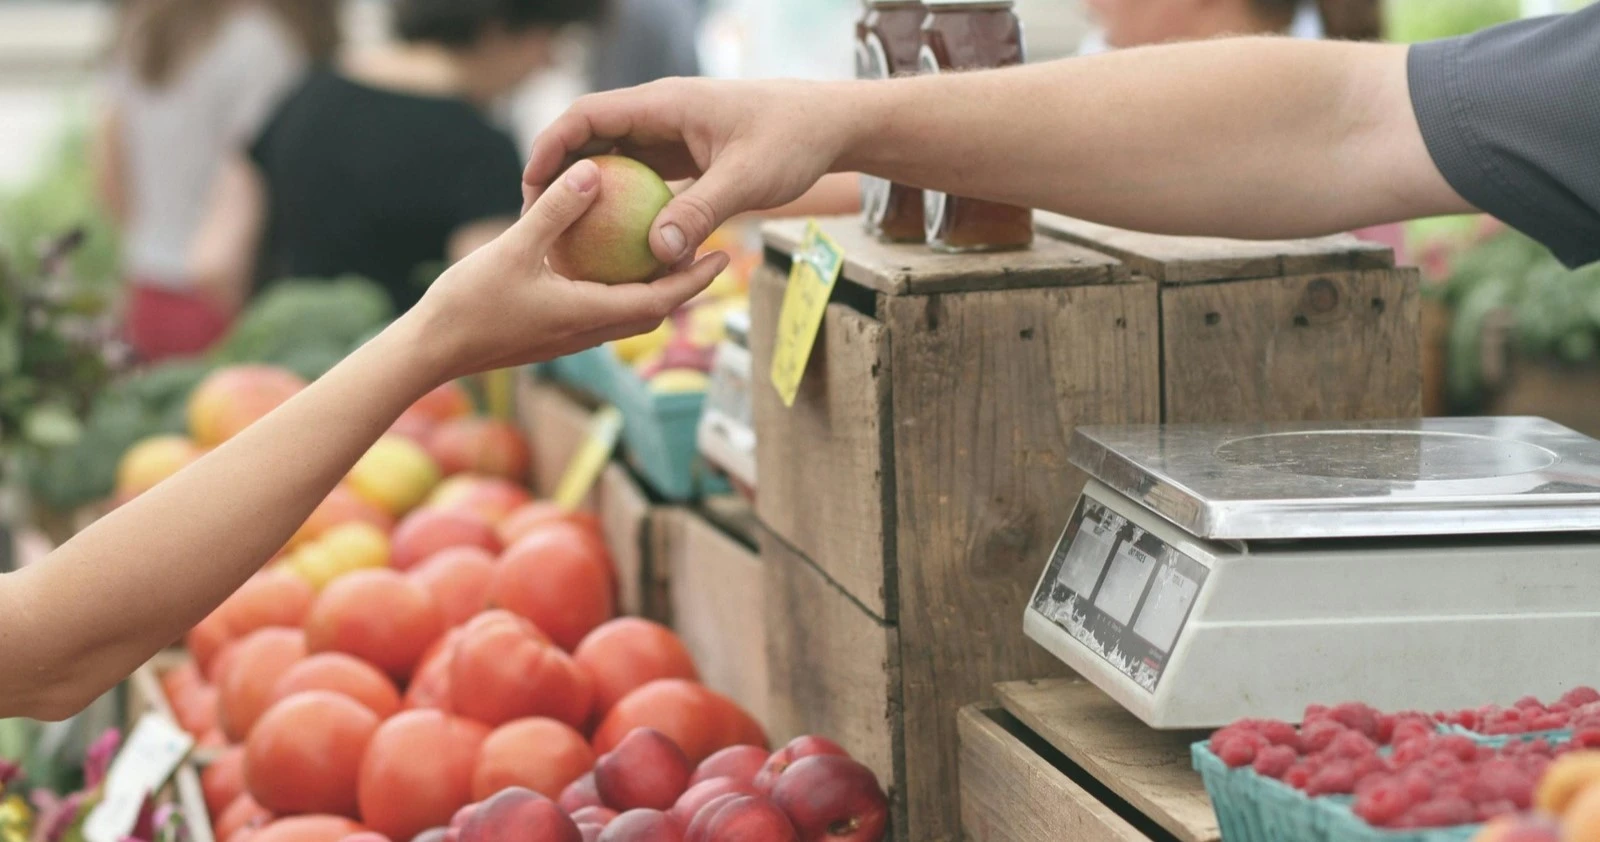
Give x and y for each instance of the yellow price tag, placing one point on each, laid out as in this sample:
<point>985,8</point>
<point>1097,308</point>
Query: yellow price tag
<point>590,460</point>
<point>811,278</point>
<point>499,387</point>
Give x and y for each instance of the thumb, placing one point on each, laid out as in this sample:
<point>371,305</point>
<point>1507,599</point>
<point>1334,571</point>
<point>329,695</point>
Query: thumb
<point>688,221</point>
<point>558,207</point>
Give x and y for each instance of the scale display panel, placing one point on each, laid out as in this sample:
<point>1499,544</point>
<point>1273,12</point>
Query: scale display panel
<point>1120,591</point>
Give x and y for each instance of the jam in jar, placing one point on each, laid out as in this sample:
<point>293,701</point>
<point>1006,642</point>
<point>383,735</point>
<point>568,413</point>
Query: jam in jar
<point>972,35</point>
<point>889,43</point>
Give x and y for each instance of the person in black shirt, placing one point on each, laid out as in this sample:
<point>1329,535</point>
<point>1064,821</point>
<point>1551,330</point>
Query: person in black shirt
<point>385,166</point>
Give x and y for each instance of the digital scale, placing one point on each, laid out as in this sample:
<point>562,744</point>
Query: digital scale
<point>1215,572</point>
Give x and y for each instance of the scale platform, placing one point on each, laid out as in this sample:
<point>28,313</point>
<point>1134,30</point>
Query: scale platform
<point>1214,572</point>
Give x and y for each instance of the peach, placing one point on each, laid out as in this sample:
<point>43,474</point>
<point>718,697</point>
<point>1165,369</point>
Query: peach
<point>1519,828</point>
<point>703,793</point>
<point>832,797</point>
<point>1565,778</point>
<point>536,753</point>
<point>491,497</point>
<point>340,507</point>
<point>798,748</point>
<point>442,404</point>
<point>579,794</point>
<point>366,836</point>
<point>150,461</point>
<point>462,816</point>
<point>519,815</point>
<point>395,475</point>
<point>271,598</point>
<point>504,668</point>
<point>231,399</point>
<point>345,674</point>
<point>480,446</point>
<point>740,763</point>
<point>745,818</point>
<point>560,576</point>
<point>594,815</point>
<point>591,832</point>
<point>222,781</point>
<point>646,770</point>
<point>643,826</point>
<point>427,531</point>
<point>379,616</point>
<point>610,243</point>
<point>251,673</point>
<point>459,579</point>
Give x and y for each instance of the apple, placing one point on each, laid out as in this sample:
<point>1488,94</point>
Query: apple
<point>646,770</point>
<point>830,797</point>
<point>610,242</point>
<point>799,747</point>
<point>516,814</point>
<point>742,763</point>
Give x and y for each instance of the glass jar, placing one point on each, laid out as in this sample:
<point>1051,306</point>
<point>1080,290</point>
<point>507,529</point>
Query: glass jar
<point>972,35</point>
<point>889,43</point>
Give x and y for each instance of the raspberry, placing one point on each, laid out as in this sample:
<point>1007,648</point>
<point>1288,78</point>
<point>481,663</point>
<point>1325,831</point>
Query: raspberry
<point>1442,811</point>
<point>1491,810</point>
<point>1418,786</point>
<point>1580,696</point>
<point>1409,729</point>
<point>1548,722</point>
<point>1240,750</point>
<point>1319,734</point>
<point>1274,761</point>
<point>1501,780</point>
<point>1587,738</point>
<point>1314,712</point>
<point>1221,737</point>
<point>1336,778</point>
<point>1281,734</point>
<point>1357,717</point>
<point>1383,804</point>
<point>1528,703</point>
<point>1459,747</point>
<point>1468,719</point>
<point>1371,765</point>
<point>1352,746</point>
<point>1412,749</point>
<point>1299,775</point>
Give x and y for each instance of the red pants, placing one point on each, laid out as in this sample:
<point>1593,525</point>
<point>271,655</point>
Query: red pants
<point>164,323</point>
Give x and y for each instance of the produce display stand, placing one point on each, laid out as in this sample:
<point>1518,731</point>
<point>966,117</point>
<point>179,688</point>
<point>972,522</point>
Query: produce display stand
<point>146,697</point>
<point>1059,759</point>
<point>911,493</point>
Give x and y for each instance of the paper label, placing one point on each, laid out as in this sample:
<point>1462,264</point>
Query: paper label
<point>590,460</point>
<point>150,756</point>
<point>816,269</point>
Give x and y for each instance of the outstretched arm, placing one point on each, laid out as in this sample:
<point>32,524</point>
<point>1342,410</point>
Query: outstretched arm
<point>79,621</point>
<point>1257,138</point>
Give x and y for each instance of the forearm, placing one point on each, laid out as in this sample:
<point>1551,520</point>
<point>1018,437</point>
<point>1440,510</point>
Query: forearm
<point>88,615</point>
<point>1244,138</point>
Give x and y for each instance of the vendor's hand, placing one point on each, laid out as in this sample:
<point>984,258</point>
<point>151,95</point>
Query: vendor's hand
<point>749,145</point>
<point>503,306</point>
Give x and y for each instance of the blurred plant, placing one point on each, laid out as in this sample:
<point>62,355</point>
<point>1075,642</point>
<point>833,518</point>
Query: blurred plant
<point>1410,21</point>
<point>61,197</point>
<point>58,349</point>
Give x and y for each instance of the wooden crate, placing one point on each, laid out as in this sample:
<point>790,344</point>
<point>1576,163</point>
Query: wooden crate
<point>1060,760</point>
<point>918,483</point>
<point>715,603</point>
<point>145,696</point>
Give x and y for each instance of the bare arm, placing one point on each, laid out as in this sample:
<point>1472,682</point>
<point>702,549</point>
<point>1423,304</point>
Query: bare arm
<point>1247,138</point>
<point>223,255</point>
<point>82,619</point>
<point>111,166</point>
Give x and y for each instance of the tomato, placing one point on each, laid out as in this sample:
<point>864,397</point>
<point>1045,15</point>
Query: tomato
<point>561,578</point>
<point>418,772</point>
<point>252,671</point>
<point>503,669</point>
<point>377,615</point>
<point>700,721</point>
<point>458,578</point>
<point>344,674</point>
<point>307,829</point>
<point>543,755</point>
<point>222,781</point>
<point>628,653</point>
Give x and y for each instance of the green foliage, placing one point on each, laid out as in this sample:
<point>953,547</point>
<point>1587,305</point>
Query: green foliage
<point>61,197</point>
<point>306,326</point>
<point>1554,312</point>
<point>1411,21</point>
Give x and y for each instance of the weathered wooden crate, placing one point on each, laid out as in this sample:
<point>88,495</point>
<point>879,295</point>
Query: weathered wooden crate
<point>916,486</point>
<point>1060,760</point>
<point>716,601</point>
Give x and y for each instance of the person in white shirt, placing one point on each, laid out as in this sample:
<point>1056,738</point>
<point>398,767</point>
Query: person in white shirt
<point>190,82</point>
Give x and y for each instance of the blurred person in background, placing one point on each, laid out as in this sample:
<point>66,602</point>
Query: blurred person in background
<point>640,41</point>
<point>190,82</point>
<point>386,165</point>
<point>1137,23</point>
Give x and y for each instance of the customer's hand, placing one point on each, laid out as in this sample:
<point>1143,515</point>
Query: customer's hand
<point>749,145</point>
<point>503,306</point>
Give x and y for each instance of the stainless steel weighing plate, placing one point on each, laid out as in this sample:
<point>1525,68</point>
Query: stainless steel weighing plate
<point>1432,476</point>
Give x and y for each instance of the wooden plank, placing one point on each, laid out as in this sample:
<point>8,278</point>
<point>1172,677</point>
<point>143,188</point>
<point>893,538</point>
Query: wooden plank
<point>718,598</point>
<point>821,462</point>
<point>1148,768</point>
<point>1009,793</point>
<point>911,269</point>
<point>555,424</point>
<point>831,664</point>
<point>1187,260</point>
<point>987,388</point>
<point>1304,348</point>
<point>624,513</point>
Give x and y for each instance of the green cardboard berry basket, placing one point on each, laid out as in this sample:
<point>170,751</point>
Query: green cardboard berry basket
<point>659,431</point>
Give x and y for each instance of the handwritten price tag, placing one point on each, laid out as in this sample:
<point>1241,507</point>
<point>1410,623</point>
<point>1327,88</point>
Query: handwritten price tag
<point>590,459</point>
<point>151,754</point>
<point>811,279</point>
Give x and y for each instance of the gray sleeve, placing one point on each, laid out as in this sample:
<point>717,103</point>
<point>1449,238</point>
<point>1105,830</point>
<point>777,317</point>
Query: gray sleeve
<point>1511,116</point>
